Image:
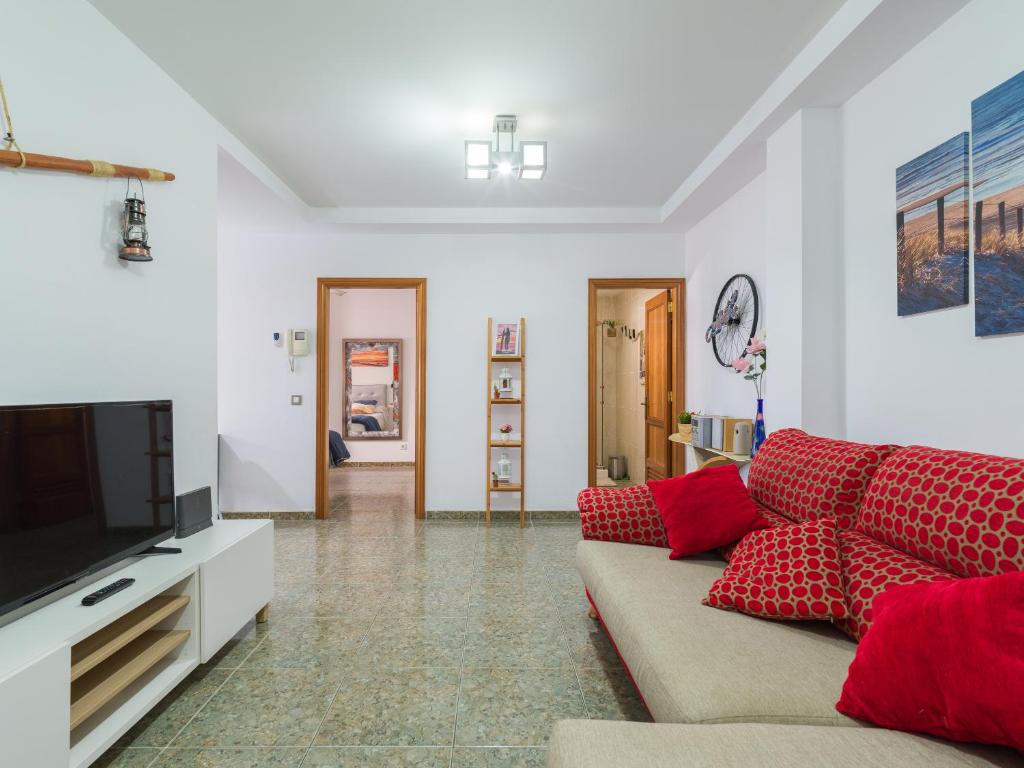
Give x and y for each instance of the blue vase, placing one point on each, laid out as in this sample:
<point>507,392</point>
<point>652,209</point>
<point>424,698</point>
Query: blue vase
<point>759,434</point>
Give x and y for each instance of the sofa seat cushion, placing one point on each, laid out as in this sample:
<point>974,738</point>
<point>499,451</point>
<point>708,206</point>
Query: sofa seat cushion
<point>621,514</point>
<point>869,569</point>
<point>961,511</point>
<point>590,743</point>
<point>791,572</point>
<point>694,664</point>
<point>805,477</point>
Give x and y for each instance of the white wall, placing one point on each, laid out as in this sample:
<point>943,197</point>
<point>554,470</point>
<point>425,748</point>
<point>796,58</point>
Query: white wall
<point>728,241</point>
<point>78,324</point>
<point>804,263</point>
<point>924,378</point>
<point>783,230</point>
<point>784,279</point>
<point>268,283</point>
<point>821,221</point>
<point>822,301</point>
<point>370,313</point>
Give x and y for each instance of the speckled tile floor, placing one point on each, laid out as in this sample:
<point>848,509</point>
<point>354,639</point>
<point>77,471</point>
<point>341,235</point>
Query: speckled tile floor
<point>355,490</point>
<point>397,643</point>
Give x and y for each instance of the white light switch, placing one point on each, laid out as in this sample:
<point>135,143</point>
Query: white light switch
<point>296,399</point>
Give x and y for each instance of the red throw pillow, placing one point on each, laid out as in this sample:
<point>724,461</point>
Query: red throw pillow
<point>945,659</point>
<point>705,509</point>
<point>791,572</point>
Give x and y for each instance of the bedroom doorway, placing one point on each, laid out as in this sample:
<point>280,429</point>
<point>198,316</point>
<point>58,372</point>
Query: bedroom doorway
<point>370,397</point>
<point>635,379</point>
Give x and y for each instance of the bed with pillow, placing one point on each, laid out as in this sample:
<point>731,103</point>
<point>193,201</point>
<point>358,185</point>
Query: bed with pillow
<point>367,410</point>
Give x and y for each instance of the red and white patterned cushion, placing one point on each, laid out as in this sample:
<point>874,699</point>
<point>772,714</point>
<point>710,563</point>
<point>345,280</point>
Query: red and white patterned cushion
<point>806,478</point>
<point>774,518</point>
<point>790,572</point>
<point>621,514</point>
<point>869,569</point>
<point>962,511</point>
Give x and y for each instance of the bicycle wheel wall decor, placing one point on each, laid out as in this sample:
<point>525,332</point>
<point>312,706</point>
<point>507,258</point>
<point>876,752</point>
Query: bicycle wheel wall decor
<point>735,318</point>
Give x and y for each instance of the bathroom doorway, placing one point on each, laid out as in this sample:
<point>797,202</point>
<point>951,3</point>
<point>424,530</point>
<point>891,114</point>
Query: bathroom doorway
<point>635,379</point>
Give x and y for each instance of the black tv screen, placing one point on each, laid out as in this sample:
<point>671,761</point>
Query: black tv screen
<point>82,486</point>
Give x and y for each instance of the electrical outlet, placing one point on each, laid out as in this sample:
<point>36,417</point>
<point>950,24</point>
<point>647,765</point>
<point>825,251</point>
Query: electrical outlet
<point>403,447</point>
<point>296,399</point>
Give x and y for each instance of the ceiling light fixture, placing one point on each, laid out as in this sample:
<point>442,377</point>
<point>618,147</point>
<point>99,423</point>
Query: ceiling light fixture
<point>483,157</point>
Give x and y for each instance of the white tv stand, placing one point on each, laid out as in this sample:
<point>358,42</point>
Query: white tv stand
<point>73,678</point>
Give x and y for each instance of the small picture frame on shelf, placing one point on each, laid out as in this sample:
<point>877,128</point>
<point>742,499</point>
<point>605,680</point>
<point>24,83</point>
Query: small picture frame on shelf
<point>506,340</point>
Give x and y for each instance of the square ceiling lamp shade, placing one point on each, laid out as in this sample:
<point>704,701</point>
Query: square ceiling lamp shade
<point>486,158</point>
<point>478,160</point>
<point>535,159</point>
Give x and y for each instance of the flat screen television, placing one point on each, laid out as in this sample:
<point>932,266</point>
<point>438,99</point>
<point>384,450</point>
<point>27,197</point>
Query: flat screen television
<point>82,486</point>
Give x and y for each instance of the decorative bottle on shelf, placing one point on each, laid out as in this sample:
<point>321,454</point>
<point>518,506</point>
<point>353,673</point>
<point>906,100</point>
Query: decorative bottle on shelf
<point>759,433</point>
<point>504,468</point>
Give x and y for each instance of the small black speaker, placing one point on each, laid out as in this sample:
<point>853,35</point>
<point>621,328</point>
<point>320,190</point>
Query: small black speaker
<point>192,512</point>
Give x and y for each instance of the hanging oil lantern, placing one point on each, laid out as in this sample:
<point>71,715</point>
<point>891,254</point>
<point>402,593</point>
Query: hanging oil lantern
<point>133,226</point>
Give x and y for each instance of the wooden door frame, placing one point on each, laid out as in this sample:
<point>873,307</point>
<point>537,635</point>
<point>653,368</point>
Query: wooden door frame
<point>677,288</point>
<point>324,285</point>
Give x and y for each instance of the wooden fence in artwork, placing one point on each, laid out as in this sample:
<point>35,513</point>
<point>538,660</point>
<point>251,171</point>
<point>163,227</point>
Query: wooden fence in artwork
<point>979,210</point>
<point>939,198</point>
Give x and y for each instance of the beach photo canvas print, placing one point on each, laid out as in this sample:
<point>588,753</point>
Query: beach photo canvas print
<point>997,146</point>
<point>932,213</point>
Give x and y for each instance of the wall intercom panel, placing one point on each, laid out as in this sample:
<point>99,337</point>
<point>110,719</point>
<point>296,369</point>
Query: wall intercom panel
<point>298,342</point>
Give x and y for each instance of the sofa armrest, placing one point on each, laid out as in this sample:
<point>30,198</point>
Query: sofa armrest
<point>627,515</point>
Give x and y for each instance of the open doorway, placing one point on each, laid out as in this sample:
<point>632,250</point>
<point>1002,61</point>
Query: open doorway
<point>636,375</point>
<point>371,376</point>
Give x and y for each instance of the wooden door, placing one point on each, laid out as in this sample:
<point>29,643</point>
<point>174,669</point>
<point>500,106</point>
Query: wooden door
<point>658,394</point>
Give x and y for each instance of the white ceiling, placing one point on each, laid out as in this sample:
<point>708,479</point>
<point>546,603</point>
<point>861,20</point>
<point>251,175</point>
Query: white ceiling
<point>366,103</point>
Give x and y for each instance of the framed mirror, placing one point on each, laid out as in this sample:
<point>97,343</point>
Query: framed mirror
<point>372,395</point>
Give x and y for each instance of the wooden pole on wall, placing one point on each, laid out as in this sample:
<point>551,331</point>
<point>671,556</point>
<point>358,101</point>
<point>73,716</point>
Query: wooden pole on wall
<point>12,159</point>
<point>13,156</point>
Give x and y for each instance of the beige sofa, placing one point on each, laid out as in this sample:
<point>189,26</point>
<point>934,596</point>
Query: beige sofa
<point>727,689</point>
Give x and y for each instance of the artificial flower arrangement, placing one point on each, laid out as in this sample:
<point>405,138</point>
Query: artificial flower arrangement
<point>505,430</point>
<point>753,363</point>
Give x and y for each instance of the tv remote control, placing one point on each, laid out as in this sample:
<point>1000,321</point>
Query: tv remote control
<point>107,591</point>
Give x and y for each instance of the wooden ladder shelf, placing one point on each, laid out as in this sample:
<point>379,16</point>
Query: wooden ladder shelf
<point>511,402</point>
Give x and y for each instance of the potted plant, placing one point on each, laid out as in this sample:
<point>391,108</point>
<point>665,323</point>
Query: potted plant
<point>505,430</point>
<point>609,328</point>
<point>686,425</point>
